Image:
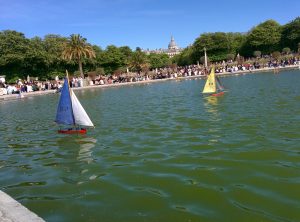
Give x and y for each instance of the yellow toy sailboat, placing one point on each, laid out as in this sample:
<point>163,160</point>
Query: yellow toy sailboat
<point>213,85</point>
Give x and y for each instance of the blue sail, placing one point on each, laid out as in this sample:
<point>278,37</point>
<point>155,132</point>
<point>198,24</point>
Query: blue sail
<point>64,113</point>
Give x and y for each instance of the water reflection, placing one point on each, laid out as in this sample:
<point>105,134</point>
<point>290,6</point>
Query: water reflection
<point>76,147</point>
<point>211,100</point>
<point>85,149</point>
<point>77,154</point>
<point>212,106</point>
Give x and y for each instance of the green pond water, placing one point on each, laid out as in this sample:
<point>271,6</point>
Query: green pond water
<point>160,152</point>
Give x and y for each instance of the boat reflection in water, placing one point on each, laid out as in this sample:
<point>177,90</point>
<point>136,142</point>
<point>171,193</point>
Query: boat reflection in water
<point>85,155</point>
<point>85,150</point>
<point>212,106</point>
<point>77,158</point>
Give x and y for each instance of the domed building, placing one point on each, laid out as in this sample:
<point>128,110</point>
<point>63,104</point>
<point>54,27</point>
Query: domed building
<point>172,50</point>
<point>172,45</point>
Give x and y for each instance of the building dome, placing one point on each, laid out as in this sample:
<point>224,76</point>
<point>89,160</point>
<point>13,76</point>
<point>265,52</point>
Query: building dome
<point>172,45</point>
<point>171,51</point>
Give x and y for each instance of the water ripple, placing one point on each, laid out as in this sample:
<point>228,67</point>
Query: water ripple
<point>160,152</point>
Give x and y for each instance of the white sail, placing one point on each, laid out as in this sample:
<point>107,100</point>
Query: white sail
<point>80,116</point>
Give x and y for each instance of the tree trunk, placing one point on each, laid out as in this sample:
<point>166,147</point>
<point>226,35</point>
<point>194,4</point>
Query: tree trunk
<point>80,69</point>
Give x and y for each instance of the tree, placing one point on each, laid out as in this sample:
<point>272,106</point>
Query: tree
<point>230,56</point>
<point>138,61</point>
<point>235,41</point>
<point>127,52</point>
<point>291,34</point>
<point>76,48</point>
<point>215,44</point>
<point>276,55</point>
<point>158,60</point>
<point>265,37</point>
<point>202,60</point>
<point>36,59</point>
<point>99,71</point>
<point>54,46</point>
<point>13,49</point>
<point>257,54</point>
<point>286,50</point>
<point>218,45</point>
<point>185,57</point>
<point>112,59</point>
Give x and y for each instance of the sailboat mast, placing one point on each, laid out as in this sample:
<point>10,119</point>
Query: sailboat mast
<point>67,76</point>
<point>70,94</point>
<point>205,58</point>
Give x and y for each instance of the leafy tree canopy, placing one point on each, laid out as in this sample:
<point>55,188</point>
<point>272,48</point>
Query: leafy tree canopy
<point>291,34</point>
<point>218,45</point>
<point>41,57</point>
<point>159,60</point>
<point>265,37</point>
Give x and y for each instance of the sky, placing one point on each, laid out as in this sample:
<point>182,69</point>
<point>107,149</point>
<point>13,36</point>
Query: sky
<point>148,24</point>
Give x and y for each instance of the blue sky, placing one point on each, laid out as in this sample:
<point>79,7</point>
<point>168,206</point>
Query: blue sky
<point>140,23</point>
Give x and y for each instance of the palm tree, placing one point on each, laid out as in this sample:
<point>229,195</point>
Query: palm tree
<point>138,61</point>
<point>76,48</point>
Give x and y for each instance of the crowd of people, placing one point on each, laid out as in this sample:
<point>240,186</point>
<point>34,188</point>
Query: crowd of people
<point>24,86</point>
<point>27,86</point>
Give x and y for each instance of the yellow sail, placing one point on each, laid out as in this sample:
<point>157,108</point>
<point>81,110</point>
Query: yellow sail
<point>210,85</point>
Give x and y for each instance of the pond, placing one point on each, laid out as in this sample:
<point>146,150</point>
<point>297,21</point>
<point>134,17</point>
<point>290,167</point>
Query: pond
<point>160,152</point>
